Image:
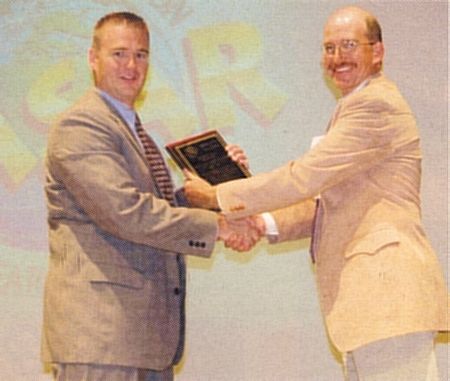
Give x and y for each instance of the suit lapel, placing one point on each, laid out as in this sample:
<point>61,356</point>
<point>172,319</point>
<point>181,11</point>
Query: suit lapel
<point>334,116</point>
<point>123,127</point>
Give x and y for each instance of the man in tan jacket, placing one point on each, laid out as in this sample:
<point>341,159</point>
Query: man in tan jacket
<point>114,293</point>
<point>381,289</point>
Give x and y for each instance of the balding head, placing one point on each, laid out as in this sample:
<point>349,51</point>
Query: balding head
<point>353,48</point>
<point>373,28</point>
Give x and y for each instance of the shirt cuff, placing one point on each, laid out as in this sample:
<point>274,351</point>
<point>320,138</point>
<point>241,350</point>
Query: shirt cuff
<point>271,225</point>
<point>218,199</point>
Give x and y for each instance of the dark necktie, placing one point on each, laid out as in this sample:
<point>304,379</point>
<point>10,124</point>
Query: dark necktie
<point>312,245</point>
<point>158,167</point>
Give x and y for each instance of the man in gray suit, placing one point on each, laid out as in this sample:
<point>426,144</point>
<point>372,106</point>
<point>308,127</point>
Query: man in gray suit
<point>114,293</point>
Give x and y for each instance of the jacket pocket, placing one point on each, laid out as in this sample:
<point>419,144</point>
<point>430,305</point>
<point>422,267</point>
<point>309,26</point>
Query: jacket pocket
<point>373,242</point>
<point>115,275</point>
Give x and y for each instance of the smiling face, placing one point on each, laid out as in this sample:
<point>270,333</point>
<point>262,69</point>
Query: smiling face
<point>347,68</point>
<point>119,60</point>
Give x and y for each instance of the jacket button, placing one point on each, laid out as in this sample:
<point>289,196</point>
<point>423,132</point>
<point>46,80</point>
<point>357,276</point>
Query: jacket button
<point>191,243</point>
<point>176,291</point>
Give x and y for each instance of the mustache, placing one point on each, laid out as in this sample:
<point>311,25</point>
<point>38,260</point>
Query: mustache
<point>334,66</point>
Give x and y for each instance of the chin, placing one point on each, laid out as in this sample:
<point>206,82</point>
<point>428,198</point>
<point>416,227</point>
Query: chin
<point>342,85</point>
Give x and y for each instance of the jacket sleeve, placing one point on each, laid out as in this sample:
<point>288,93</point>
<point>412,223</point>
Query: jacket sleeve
<point>90,177</point>
<point>360,138</point>
<point>294,222</point>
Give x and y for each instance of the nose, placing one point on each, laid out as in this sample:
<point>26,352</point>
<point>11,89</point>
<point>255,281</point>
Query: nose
<point>336,57</point>
<point>338,52</point>
<point>131,63</point>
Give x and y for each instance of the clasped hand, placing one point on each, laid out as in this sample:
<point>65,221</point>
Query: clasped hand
<point>241,234</point>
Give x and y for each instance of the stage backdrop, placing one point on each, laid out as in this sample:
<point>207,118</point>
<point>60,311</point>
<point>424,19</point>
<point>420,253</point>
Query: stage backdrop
<point>249,68</point>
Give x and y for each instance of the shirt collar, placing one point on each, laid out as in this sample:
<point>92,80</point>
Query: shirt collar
<point>362,84</point>
<point>127,113</point>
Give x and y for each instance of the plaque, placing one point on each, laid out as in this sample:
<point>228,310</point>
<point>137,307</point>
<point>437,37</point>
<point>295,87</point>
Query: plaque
<point>205,155</point>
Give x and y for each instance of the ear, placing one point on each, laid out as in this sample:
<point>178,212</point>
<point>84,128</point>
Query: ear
<point>378,53</point>
<point>92,58</point>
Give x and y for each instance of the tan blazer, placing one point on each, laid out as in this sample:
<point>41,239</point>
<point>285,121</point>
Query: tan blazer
<point>377,274</point>
<point>114,293</point>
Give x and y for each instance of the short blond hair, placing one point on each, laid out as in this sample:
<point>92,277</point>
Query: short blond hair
<point>127,18</point>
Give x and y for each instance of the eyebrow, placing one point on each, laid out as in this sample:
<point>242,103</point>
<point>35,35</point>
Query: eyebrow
<point>145,50</point>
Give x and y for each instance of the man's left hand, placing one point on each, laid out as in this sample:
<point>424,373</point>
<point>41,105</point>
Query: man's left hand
<point>199,192</point>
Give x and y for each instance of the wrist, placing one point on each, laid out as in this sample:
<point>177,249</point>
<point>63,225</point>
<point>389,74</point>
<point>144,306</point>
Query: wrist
<point>212,199</point>
<point>221,227</point>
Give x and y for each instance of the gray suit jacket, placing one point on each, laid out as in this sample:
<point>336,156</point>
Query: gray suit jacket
<point>114,293</point>
<point>377,274</point>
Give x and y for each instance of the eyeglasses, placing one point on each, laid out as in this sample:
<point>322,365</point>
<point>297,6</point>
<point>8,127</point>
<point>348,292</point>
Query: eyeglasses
<point>345,46</point>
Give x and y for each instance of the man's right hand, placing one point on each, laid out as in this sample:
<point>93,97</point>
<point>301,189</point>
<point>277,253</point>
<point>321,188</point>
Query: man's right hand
<point>241,234</point>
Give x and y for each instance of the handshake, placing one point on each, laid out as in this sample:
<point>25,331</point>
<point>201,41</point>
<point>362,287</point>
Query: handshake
<point>241,234</point>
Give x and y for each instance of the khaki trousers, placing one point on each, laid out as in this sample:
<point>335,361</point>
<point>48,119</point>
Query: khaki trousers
<point>404,358</point>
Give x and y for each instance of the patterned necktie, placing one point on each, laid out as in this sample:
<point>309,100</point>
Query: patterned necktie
<point>158,167</point>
